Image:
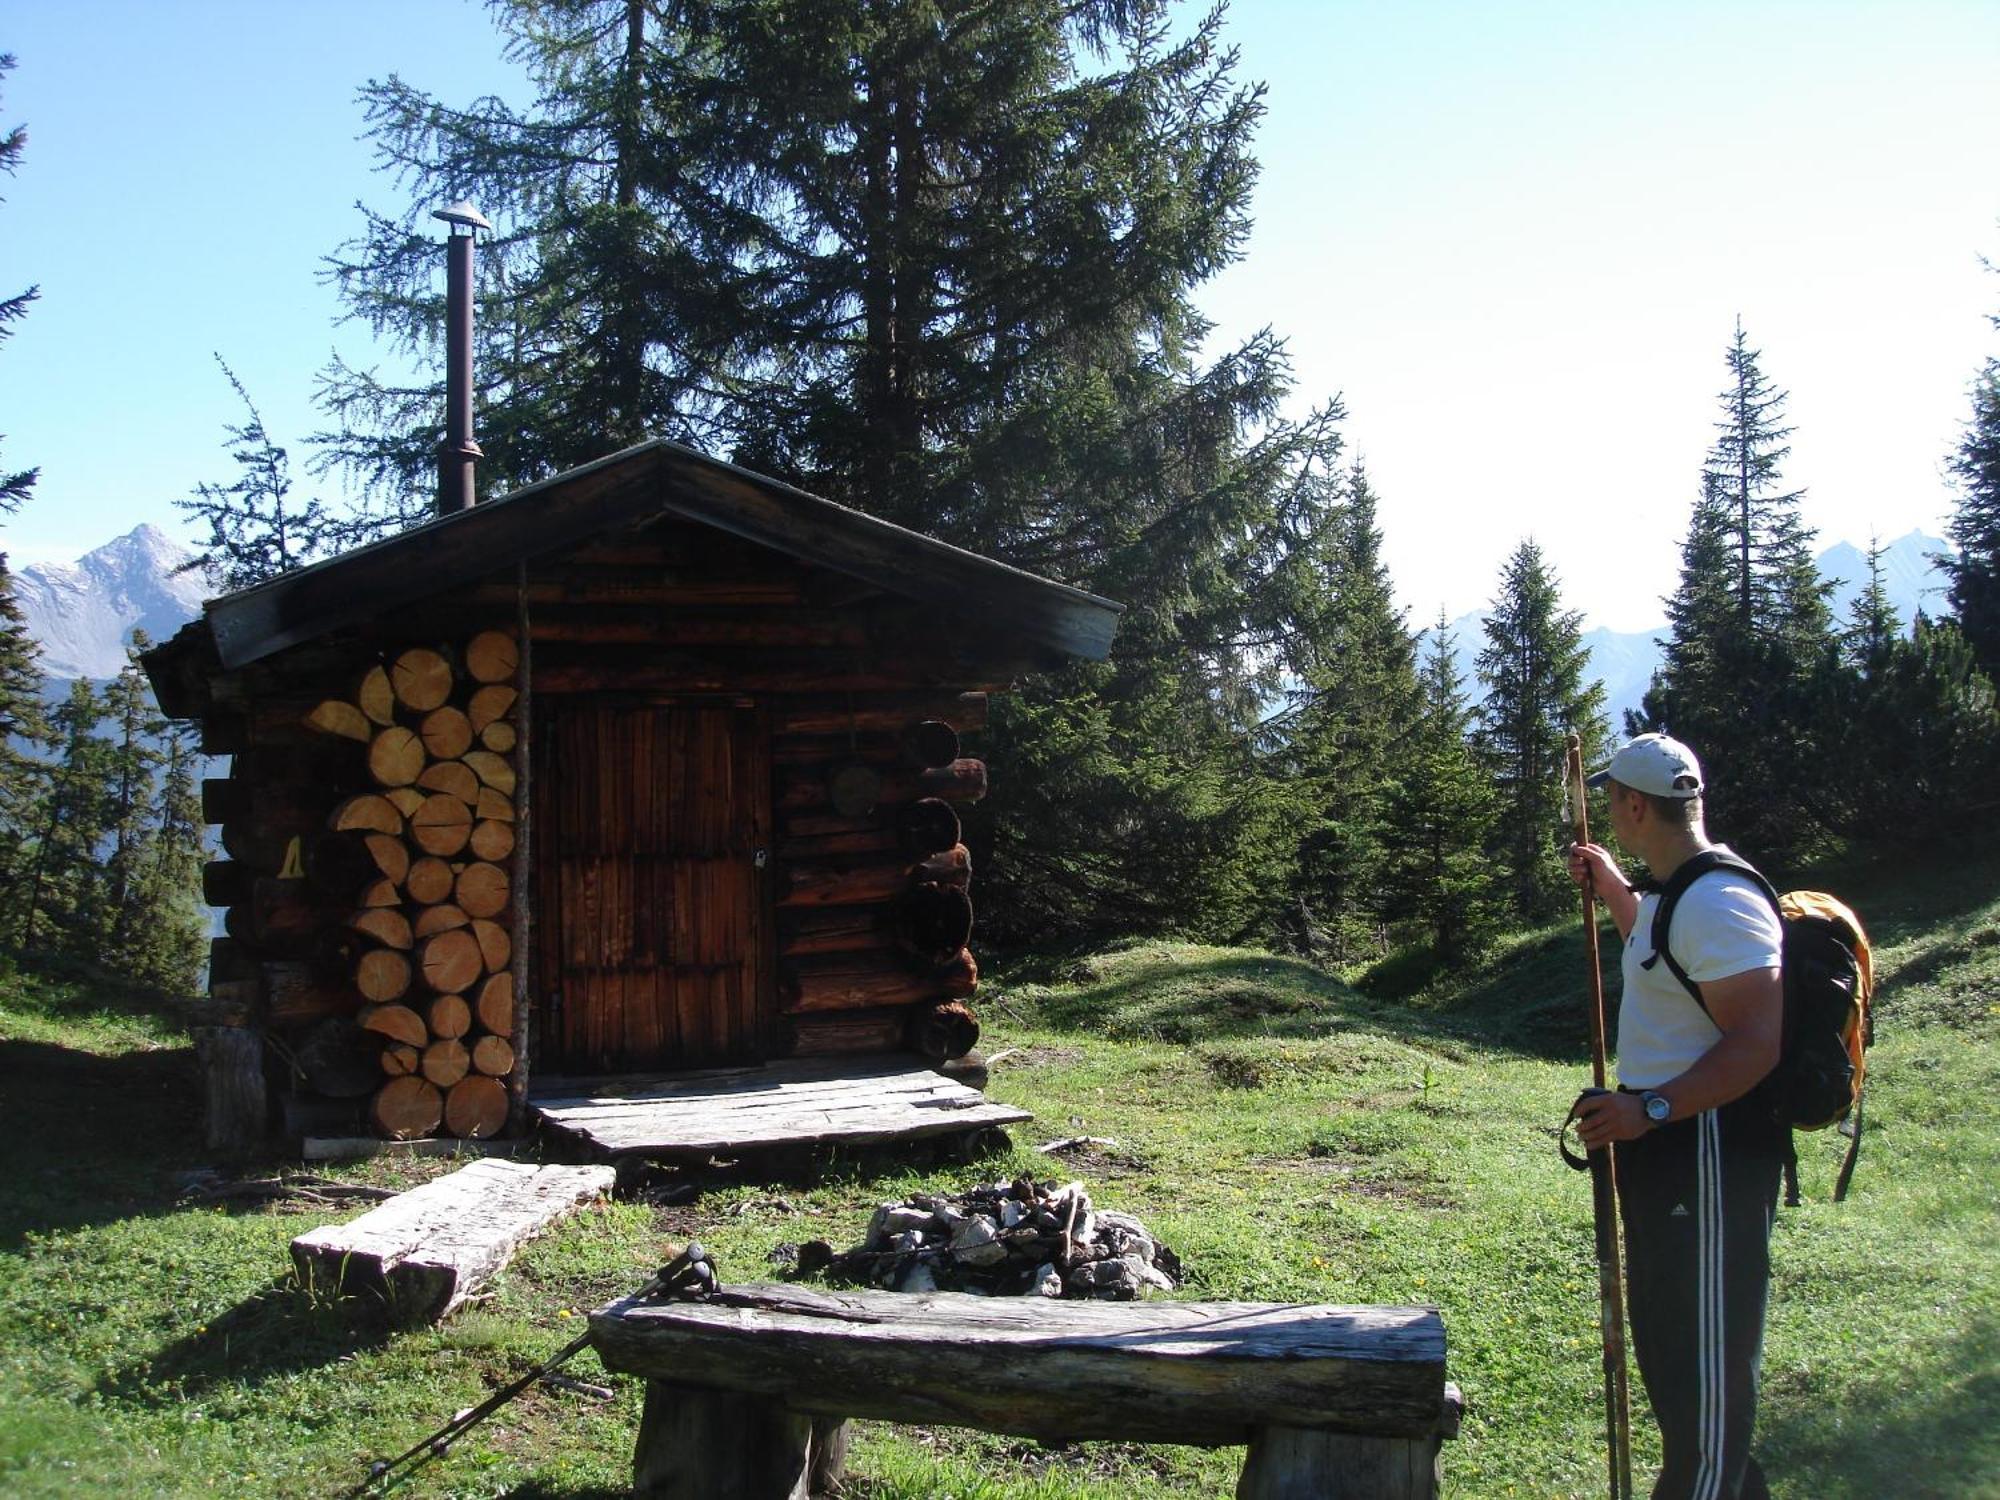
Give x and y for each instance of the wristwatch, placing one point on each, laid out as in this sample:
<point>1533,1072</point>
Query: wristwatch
<point>1656,1106</point>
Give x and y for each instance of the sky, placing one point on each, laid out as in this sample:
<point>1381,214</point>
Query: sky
<point>1514,239</point>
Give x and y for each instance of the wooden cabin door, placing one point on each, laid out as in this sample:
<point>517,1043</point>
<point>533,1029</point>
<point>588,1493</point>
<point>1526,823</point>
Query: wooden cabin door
<point>651,829</point>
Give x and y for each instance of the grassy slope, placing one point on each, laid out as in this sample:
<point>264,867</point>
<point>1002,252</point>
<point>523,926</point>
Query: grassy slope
<point>1290,1137</point>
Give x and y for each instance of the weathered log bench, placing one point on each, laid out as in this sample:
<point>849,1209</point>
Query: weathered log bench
<point>748,1393</point>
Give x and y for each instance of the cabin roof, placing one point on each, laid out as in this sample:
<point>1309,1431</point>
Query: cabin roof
<point>652,479</point>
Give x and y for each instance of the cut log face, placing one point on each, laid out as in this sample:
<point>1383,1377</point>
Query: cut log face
<point>384,924</point>
<point>492,839</point>
<point>449,1016</point>
<point>933,922</point>
<point>453,777</point>
<point>499,738</point>
<point>337,717</point>
<point>931,743</point>
<point>496,1004</point>
<point>482,890</point>
<point>492,1056</point>
<point>450,961</point>
<point>442,826</point>
<point>381,892</point>
<point>489,705</point>
<point>498,806</point>
<point>391,856</point>
<point>395,756</point>
<point>421,679</point>
<point>429,880</point>
<point>399,1059</point>
<point>492,769</point>
<point>368,813</point>
<point>476,1108</point>
<point>376,697</point>
<point>446,733</point>
<point>407,799</point>
<point>405,1108</point>
<point>941,1032</point>
<point>928,825</point>
<point>438,919</point>
<point>495,946</point>
<point>492,656</point>
<point>397,1022</point>
<point>382,975</point>
<point>446,1061</point>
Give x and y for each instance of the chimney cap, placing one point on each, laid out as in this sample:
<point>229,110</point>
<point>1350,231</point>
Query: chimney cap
<point>462,212</point>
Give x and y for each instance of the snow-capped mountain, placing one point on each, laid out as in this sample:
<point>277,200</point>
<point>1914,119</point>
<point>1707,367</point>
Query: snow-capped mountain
<point>1625,660</point>
<point>83,613</point>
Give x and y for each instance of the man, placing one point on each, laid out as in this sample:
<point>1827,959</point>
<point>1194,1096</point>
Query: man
<point>1699,1154</point>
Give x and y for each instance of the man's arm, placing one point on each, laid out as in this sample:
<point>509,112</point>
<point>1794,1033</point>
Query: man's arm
<point>1749,1010</point>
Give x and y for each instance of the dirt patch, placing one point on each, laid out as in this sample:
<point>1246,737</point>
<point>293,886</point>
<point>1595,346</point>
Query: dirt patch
<point>1013,1058</point>
<point>1100,1158</point>
<point>1351,1174</point>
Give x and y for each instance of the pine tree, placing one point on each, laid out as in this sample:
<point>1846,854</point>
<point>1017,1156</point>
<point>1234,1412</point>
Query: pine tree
<point>1750,675</point>
<point>23,724</point>
<point>1872,624</point>
<point>1974,527</point>
<point>1441,814</point>
<point>254,530</point>
<point>1534,671</point>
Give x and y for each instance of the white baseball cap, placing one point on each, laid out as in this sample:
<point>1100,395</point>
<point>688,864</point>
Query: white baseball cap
<point>1656,764</point>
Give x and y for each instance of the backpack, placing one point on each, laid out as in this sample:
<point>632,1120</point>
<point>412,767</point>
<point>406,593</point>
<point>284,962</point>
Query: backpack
<point>1828,1025</point>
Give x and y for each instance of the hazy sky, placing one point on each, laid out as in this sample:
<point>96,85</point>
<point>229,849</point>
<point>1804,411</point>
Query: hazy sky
<point>1515,238</point>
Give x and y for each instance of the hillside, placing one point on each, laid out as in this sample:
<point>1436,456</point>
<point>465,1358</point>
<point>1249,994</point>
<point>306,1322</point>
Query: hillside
<point>1291,1135</point>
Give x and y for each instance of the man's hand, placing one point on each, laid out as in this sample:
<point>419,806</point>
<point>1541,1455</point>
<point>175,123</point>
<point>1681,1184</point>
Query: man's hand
<point>1602,1119</point>
<point>1593,862</point>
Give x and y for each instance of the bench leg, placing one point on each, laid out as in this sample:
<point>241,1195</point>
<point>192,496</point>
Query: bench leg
<point>715,1445</point>
<point>829,1453</point>
<point>1293,1463</point>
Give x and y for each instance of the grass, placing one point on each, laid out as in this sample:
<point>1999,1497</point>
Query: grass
<point>1291,1135</point>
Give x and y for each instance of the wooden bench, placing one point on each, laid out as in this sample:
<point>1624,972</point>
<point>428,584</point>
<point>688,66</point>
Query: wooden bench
<point>749,1393</point>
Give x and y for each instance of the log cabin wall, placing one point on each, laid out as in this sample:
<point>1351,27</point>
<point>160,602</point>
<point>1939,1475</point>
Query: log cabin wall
<point>400,974</point>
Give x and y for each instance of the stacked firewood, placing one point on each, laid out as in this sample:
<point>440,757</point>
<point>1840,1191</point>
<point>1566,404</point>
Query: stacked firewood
<point>427,857</point>
<point>1019,1238</point>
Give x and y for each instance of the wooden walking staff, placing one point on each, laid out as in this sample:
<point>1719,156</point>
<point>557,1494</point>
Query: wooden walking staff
<point>1603,1178</point>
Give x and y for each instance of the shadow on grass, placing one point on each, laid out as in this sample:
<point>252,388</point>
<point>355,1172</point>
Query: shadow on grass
<point>91,1139</point>
<point>1903,1435</point>
<point>281,1330</point>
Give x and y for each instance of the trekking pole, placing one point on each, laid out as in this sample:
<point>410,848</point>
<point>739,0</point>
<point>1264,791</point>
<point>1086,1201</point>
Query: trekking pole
<point>1603,1181</point>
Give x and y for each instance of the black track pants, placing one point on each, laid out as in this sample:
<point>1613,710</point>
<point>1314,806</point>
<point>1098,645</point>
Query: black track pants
<point>1697,1197</point>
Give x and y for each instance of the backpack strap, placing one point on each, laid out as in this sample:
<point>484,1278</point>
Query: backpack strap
<point>1691,870</point>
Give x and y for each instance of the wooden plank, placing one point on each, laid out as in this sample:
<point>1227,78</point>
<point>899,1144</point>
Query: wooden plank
<point>1182,1372</point>
<point>822,1100</point>
<point>431,1248</point>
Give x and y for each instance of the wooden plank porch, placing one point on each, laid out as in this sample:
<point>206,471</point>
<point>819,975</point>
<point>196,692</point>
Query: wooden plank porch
<point>804,1102</point>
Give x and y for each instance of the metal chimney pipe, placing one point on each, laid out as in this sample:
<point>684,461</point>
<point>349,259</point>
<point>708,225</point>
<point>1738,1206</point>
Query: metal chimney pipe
<point>457,453</point>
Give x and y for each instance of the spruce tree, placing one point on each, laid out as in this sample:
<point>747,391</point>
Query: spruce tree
<point>1441,810</point>
<point>1352,661</point>
<point>167,952</point>
<point>1974,527</point>
<point>23,725</point>
<point>133,759</point>
<point>1749,676</point>
<point>15,486</point>
<point>935,262</point>
<point>1534,669</point>
<point>56,902</point>
<point>252,529</point>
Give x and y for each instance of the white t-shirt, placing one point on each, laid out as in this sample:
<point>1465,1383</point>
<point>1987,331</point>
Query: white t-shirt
<point>1722,926</point>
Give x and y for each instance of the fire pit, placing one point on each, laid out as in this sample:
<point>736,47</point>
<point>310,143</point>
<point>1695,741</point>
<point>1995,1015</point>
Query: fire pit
<point>1004,1239</point>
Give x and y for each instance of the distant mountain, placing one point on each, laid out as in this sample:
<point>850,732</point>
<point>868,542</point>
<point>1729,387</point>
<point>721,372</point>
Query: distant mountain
<point>83,612</point>
<point>1624,661</point>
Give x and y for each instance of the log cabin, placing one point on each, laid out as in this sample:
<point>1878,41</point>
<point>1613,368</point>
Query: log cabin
<point>648,769</point>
